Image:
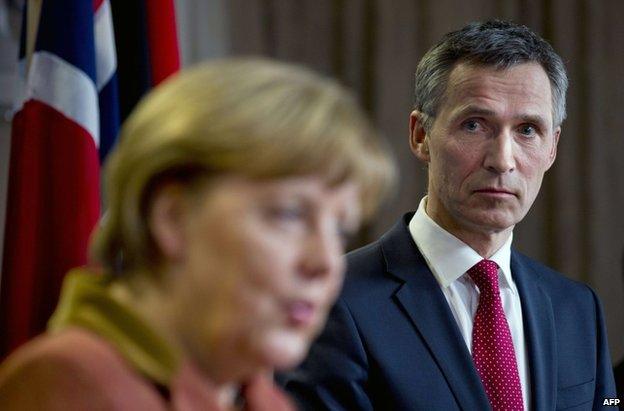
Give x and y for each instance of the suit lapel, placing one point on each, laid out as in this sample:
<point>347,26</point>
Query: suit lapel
<point>539,326</point>
<point>424,303</point>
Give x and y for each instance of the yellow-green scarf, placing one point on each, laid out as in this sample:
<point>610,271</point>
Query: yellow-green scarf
<point>86,302</point>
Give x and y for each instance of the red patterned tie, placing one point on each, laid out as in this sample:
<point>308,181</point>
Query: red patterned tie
<point>492,346</point>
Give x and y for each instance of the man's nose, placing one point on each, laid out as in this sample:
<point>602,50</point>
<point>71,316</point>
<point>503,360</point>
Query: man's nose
<point>500,156</point>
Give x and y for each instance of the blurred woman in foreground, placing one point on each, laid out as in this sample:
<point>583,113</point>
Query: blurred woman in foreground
<point>229,197</point>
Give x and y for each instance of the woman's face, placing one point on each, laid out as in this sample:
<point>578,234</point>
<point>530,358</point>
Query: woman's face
<point>261,265</point>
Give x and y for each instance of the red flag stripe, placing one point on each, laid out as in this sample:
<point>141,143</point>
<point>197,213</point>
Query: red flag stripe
<point>97,4</point>
<point>163,39</point>
<point>53,188</point>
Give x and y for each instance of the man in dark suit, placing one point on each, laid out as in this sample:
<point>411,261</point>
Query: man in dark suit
<point>441,313</point>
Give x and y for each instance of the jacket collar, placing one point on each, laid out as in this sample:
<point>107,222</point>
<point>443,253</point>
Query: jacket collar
<point>539,332</point>
<point>423,302</point>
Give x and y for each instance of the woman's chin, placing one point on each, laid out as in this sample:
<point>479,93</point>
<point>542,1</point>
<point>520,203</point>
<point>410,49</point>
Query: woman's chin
<point>282,350</point>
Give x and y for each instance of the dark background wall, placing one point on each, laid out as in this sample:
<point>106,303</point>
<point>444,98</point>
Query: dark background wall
<point>373,46</point>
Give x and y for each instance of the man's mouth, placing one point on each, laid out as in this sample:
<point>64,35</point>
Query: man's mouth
<point>497,192</point>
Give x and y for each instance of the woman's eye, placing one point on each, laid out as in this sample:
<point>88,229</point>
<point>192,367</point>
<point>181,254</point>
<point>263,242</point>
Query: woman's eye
<point>344,235</point>
<point>286,213</point>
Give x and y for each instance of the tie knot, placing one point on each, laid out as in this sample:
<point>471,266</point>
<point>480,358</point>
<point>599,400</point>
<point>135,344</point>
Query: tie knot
<point>485,275</point>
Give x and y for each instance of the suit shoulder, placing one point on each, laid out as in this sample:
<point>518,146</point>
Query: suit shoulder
<point>368,256</point>
<point>365,265</point>
<point>553,280</point>
<point>71,370</point>
<point>367,281</point>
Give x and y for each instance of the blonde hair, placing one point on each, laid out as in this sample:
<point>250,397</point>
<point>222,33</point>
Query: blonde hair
<point>250,117</point>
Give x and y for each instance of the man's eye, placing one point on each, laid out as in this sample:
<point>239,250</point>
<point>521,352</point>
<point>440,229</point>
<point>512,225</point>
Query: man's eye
<point>471,125</point>
<point>527,130</point>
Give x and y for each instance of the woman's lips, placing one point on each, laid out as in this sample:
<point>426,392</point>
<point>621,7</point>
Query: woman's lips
<point>301,313</point>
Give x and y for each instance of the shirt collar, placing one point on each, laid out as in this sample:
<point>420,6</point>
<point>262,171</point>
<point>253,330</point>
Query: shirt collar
<point>448,257</point>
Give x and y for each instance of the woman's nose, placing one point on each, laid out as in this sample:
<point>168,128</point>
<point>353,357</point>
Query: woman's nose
<point>323,253</point>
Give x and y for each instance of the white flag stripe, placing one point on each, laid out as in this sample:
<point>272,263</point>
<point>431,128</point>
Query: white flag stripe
<point>105,54</point>
<point>57,83</point>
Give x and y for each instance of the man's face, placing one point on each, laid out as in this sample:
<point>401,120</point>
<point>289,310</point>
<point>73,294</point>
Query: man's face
<point>488,148</point>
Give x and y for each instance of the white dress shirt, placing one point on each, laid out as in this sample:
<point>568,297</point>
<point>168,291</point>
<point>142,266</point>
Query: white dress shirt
<point>449,259</point>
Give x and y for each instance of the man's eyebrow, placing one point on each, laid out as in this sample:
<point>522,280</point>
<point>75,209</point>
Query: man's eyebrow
<point>473,111</point>
<point>535,119</point>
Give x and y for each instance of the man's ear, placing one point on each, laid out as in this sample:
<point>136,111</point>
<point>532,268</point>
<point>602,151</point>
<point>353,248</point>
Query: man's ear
<point>166,221</point>
<point>419,142</point>
<point>552,155</point>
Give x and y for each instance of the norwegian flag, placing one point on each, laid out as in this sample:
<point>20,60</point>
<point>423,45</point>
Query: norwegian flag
<point>65,122</point>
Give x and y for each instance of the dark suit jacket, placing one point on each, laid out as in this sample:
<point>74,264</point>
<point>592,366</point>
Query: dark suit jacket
<point>619,379</point>
<point>392,343</point>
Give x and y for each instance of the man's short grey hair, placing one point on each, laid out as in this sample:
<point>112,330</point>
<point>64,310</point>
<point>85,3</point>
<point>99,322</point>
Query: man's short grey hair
<point>493,43</point>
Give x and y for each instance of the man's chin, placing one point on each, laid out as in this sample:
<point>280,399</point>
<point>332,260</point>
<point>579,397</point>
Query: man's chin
<point>492,222</point>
